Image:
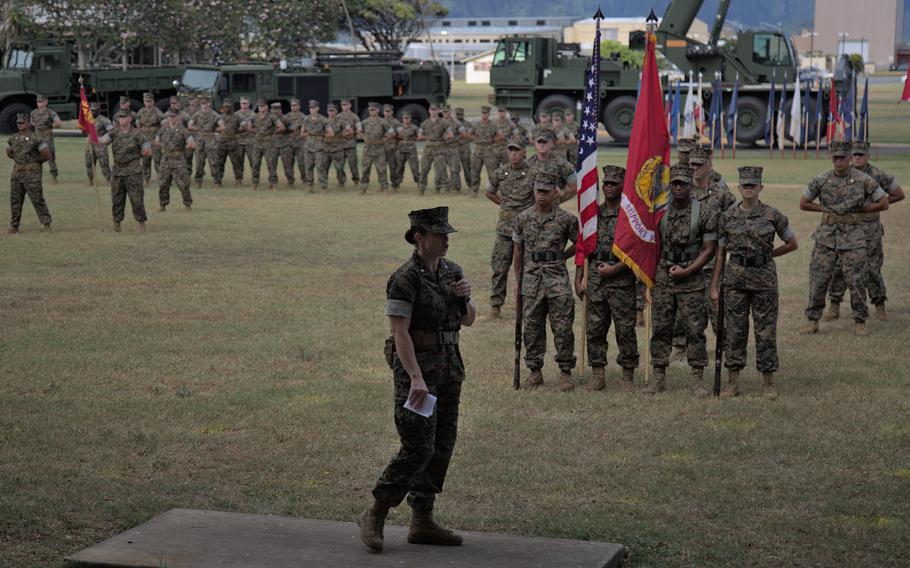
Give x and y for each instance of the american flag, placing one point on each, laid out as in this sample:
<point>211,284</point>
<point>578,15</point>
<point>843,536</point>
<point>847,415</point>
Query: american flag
<point>586,164</point>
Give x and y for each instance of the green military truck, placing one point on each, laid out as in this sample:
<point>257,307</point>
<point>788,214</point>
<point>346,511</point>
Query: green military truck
<point>537,74</point>
<point>46,68</point>
<point>362,77</point>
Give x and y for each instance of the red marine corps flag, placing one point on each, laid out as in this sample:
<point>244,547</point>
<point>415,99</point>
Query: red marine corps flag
<point>644,194</point>
<point>586,163</point>
<point>86,120</point>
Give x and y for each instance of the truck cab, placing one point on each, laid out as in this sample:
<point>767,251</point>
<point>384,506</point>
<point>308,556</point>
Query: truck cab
<point>29,69</point>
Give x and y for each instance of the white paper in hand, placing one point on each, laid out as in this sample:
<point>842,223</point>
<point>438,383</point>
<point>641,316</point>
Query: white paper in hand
<point>425,409</point>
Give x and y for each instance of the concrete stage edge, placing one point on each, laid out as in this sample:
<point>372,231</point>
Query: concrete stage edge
<point>188,538</point>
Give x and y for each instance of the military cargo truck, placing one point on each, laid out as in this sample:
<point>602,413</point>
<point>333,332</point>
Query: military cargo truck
<point>30,68</point>
<point>382,77</point>
<point>536,74</point>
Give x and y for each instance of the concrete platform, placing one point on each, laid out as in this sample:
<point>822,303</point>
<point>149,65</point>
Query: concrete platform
<point>187,538</point>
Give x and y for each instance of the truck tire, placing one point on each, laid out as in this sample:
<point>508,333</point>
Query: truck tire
<point>750,119</point>
<point>618,118</point>
<point>8,117</point>
<point>555,102</point>
<point>418,113</point>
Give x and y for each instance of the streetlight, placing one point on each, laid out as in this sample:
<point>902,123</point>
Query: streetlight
<point>842,42</point>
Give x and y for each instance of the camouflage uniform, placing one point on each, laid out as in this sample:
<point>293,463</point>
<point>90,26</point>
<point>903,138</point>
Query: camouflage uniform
<point>26,177</point>
<point>572,147</point>
<point>546,289</point>
<point>507,128</point>
<point>204,125</point>
<point>750,283</point>
<point>407,152</point>
<point>875,232</point>
<point>334,148</point>
<point>513,185</point>
<point>486,154</point>
<point>391,147</point>
<point>450,149</point>
<point>149,121</point>
<point>265,125</point>
<point>229,144</point>
<point>552,170</point>
<point>464,147</point>
<point>610,300</point>
<point>436,130</point>
<point>43,122</point>
<point>375,130</point>
<point>314,151</point>
<point>283,144</point>
<point>98,152</point>
<point>173,142</point>
<point>538,129</point>
<point>126,177</point>
<point>245,144</point>
<point>419,469</point>
<point>681,242</point>
<point>293,121</point>
<point>840,238</point>
<point>349,142</point>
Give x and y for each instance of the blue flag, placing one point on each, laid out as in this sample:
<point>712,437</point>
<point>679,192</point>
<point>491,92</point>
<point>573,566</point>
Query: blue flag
<point>731,111</point>
<point>850,112</point>
<point>769,116</point>
<point>674,114</point>
<point>819,105</point>
<point>717,113</point>
<point>863,133</point>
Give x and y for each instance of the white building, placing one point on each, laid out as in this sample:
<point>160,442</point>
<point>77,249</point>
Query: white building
<point>477,67</point>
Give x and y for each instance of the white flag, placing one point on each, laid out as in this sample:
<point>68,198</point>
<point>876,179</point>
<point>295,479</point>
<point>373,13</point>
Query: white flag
<point>796,114</point>
<point>689,129</point>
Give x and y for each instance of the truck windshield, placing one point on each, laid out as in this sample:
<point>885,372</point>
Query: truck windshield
<point>771,49</point>
<point>200,79</point>
<point>19,59</point>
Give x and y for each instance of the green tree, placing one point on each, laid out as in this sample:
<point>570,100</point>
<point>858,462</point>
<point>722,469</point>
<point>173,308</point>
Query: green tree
<point>390,25</point>
<point>288,28</point>
<point>633,57</point>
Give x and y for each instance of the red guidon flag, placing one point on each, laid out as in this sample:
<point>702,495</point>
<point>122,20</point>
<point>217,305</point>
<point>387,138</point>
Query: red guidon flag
<point>644,193</point>
<point>905,96</point>
<point>86,120</point>
<point>586,161</point>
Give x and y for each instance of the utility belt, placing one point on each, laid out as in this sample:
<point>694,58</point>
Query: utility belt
<point>426,340</point>
<point>44,132</point>
<point>848,218</point>
<point>177,153</point>
<point>379,143</point>
<point>754,261</point>
<point>679,256</point>
<point>28,167</point>
<point>484,144</point>
<point>548,256</point>
<point>605,256</point>
<point>133,162</point>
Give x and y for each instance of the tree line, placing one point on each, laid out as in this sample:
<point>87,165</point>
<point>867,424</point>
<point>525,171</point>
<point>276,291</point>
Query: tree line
<point>211,31</point>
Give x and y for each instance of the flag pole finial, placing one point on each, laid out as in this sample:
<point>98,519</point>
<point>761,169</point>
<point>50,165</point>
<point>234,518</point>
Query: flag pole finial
<point>599,15</point>
<point>651,22</point>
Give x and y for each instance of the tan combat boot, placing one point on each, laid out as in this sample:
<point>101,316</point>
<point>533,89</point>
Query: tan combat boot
<point>698,382</point>
<point>47,228</point>
<point>12,230</point>
<point>565,382</point>
<point>859,328</point>
<point>199,184</point>
<point>732,388</point>
<point>424,530</point>
<point>658,381</point>
<point>495,313</point>
<point>628,379</point>
<point>833,312</point>
<point>162,208</point>
<point>811,327</point>
<point>597,379</point>
<point>116,227</point>
<point>255,186</point>
<point>371,523</point>
<point>770,392</point>
<point>534,380</point>
<point>142,227</point>
<point>880,313</point>
<point>91,181</point>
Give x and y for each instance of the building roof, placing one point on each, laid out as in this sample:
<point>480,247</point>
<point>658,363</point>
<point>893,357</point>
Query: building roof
<point>462,31</point>
<point>477,56</point>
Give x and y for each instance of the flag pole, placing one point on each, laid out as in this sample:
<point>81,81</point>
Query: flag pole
<point>584,327</point>
<point>646,348</point>
<point>806,133</point>
<point>733,142</point>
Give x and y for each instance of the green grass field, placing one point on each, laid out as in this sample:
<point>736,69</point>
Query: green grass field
<point>231,359</point>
